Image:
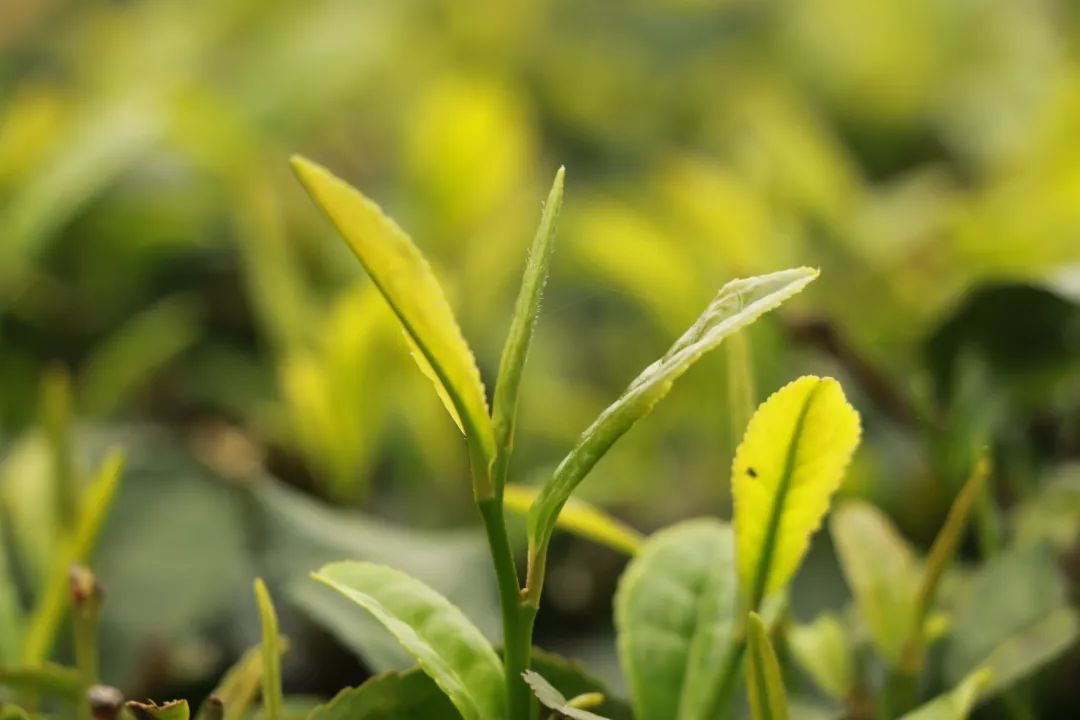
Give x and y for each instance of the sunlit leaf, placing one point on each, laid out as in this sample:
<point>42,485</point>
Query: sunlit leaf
<point>516,350</point>
<point>882,571</point>
<point>764,684</point>
<point>409,695</point>
<point>172,710</point>
<point>271,653</point>
<point>675,615</point>
<point>738,304</point>
<point>580,518</point>
<point>790,463</point>
<point>823,650</point>
<point>552,699</point>
<point>447,646</point>
<point>407,283</point>
<point>955,704</point>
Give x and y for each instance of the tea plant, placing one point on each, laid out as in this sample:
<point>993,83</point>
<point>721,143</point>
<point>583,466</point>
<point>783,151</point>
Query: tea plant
<point>699,607</point>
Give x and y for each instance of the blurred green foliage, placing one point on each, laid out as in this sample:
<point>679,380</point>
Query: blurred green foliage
<point>923,153</point>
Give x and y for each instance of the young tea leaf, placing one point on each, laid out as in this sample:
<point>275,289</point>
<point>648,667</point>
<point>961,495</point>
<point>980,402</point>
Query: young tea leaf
<point>790,463</point>
<point>172,710</point>
<point>526,310</point>
<point>409,695</point>
<point>447,646</point>
<point>580,518</point>
<point>46,679</point>
<point>764,685</point>
<point>955,704</point>
<point>271,655</point>
<point>823,650</point>
<point>675,616</point>
<point>882,571</point>
<point>552,699</point>
<point>1027,651</point>
<point>738,304</point>
<point>406,281</point>
<point>240,684</point>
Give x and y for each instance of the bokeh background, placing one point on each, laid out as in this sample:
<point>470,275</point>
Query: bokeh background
<point>156,252</point>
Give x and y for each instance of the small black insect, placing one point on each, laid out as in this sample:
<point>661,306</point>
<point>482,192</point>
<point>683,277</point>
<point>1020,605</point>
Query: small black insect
<point>751,472</point>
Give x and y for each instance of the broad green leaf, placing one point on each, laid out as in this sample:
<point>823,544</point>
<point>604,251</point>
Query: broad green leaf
<point>574,681</point>
<point>516,350</point>
<point>271,654</point>
<point>172,710</point>
<point>47,679</point>
<point>882,571</point>
<point>580,518</point>
<point>409,695</point>
<point>409,286</point>
<point>240,684</point>
<point>790,463</point>
<point>75,548</point>
<point>1005,599</point>
<point>1025,652</point>
<point>764,684</point>
<point>823,650</point>
<point>447,646</point>
<point>955,704</point>
<point>675,615</point>
<point>738,304</point>
<point>551,698</point>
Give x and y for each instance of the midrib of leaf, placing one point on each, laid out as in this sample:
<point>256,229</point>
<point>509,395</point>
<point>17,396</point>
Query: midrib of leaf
<point>776,512</point>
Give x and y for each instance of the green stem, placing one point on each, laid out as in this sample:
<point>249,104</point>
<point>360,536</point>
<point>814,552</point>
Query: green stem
<point>517,617</point>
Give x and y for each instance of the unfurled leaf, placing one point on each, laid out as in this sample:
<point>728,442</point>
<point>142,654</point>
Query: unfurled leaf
<point>823,650</point>
<point>552,699</point>
<point>75,548</point>
<point>574,681</point>
<point>675,614</point>
<point>790,463</point>
<point>764,684</point>
<point>446,645</point>
<point>580,518</point>
<point>738,304</point>
<point>516,350</point>
<point>271,654</point>
<point>409,286</point>
<point>882,571</point>
<point>409,695</point>
<point>1025,652</point>
<point>173,710</point>
<point>955,704</point>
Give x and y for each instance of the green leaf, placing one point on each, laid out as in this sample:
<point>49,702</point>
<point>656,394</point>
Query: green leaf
<point>822,649</point>
<point>47,679</point>
<point>790,463</point>
<point>240,685</point>
<point>574,680</point>
<point>11,613</point>
<point>409,286</point>
<point>764,685</point>
<point>738,304</point>
<point>271,654</point>
<point>75,548</point>
<point>172,710</point>
<point>552,699</point>
<point>1025,652</point>
<point>447,646</point>
<point>675,615</point>
<point>580,518</point>
<point>516,350</point>
<point>409,695</point>
<point>882,571</point>
<point>955,704</point>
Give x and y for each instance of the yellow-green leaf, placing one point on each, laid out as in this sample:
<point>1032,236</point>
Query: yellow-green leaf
<point>764,685</point>
<point>406,281</point>
<point>271,656</point>
<point>955,704</point>
<point>580,518</point>
<point>823,650</point>
<point>440,389</point>
<point>882,571</point>
<point>790,463</point>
